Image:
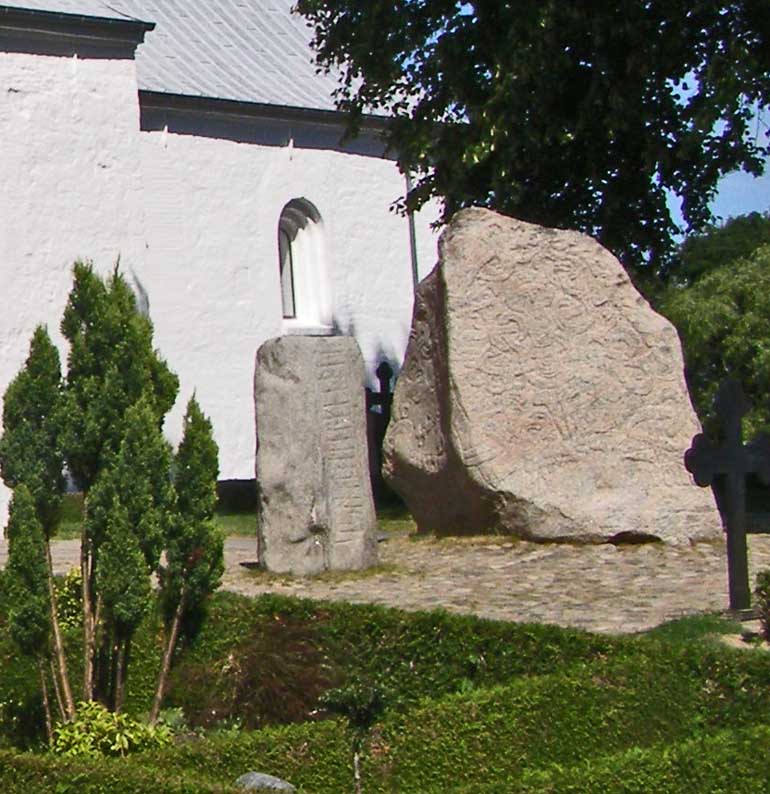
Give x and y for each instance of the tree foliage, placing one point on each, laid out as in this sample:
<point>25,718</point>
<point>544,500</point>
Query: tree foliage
<point>26,580</point>
<point>103,425</point>
<point>194,554</point>
<point>138,479</point>
<point>31,460</point>
<point>30,449</point>
<point>566,114</point>
<point>111,365</point>
<point>194,551</point>
<point>719,246</point>
<point>723,320</point>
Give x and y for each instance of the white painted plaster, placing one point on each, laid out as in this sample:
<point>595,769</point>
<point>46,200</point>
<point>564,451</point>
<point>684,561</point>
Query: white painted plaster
<point>212,264</point>
<point>71,186</point>
<point>194,220</point>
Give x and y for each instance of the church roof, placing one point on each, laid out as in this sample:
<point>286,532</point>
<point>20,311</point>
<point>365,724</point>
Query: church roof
<point>85,8</point>
<point>244,50</point>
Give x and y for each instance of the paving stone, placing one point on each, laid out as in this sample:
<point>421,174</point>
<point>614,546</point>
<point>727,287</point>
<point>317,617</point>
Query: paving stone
<point>630,589</point>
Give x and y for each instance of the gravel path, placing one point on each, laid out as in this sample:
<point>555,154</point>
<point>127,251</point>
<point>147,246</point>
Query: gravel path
<point>602,588</point>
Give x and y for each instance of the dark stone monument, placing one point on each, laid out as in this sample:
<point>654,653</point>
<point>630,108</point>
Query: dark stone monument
<point>725,466</point>
<point>378,406</point>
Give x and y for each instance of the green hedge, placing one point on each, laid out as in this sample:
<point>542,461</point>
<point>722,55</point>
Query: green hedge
<point>45,774</point>
<point>586,719</point>
<point>730,762</point>
<point>413,654</point>
<point>314,757</point>
<point>493,735</point>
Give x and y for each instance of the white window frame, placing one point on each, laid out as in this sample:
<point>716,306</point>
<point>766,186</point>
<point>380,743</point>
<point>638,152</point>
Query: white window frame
<point>305,296</point>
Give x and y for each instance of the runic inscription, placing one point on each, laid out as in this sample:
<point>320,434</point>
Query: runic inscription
<point>541,396</point>
<point>725,467</point>
<point>338,445</point>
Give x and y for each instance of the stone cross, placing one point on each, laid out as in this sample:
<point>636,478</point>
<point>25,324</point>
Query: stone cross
<point>725,467</point>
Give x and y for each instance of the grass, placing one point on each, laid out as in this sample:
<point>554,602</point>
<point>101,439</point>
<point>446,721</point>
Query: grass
<point>694,628</point>
<point>392,518</point>
<point>72,516</point>
<point>329,577</point>
<point>235,523</point>
<point>230,521</point>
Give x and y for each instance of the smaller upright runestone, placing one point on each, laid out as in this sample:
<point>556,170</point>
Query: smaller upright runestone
<point>316,511</point>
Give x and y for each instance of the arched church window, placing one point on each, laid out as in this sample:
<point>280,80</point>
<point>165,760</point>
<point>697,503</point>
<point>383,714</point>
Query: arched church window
<point>287,273</point>
<point>304,290</point>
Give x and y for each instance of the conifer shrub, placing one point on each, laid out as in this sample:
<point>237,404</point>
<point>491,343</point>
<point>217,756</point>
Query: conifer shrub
<point>147,512</point>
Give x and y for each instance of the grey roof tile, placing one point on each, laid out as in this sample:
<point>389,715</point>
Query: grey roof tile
<point>255,51</point>
<point>243,50</point>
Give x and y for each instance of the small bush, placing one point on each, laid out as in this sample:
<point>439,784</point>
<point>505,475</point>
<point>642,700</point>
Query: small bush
<point>274,675</point>
<point>96,731</point>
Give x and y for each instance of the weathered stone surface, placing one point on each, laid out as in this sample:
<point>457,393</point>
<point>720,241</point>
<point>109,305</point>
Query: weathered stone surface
<point>541,395</point>
<point>258,781</point>
<point>316,509</point>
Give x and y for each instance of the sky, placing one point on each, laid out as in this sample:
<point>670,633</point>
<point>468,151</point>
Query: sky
<point>740,193</point>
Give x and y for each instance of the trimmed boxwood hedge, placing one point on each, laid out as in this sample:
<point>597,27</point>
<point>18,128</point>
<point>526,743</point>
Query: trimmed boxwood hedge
<point>412,654</point>
<point>468,702</point>
<point>45,774</point>
<point>314,757</point>
<point>577,718</point>
<point>495,734</point>
<point>729,762</point>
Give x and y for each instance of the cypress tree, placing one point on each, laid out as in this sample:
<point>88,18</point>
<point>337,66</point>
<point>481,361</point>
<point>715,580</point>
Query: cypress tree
<point>111,367</point>
<point>195,546</point>
<point>30,455</point>
<point>104,423</point>
<point>130,508</point>
<point>27,586</point>
<point>30,450</point>
<point>123,584</point>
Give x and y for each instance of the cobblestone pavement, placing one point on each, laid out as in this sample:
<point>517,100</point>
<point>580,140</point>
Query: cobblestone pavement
<point>600,588</point>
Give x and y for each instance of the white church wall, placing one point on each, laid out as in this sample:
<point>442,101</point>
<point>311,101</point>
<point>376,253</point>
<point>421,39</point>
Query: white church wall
<point>426,237</point>
<point>211,267</point>
<point>71,187</point>
<point>194,220</point>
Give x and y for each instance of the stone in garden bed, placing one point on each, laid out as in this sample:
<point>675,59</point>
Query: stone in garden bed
<point>257,781</point>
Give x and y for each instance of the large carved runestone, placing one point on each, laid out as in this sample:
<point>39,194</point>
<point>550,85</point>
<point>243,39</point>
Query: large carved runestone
<point>541,396</point>
<point>316,510</point>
